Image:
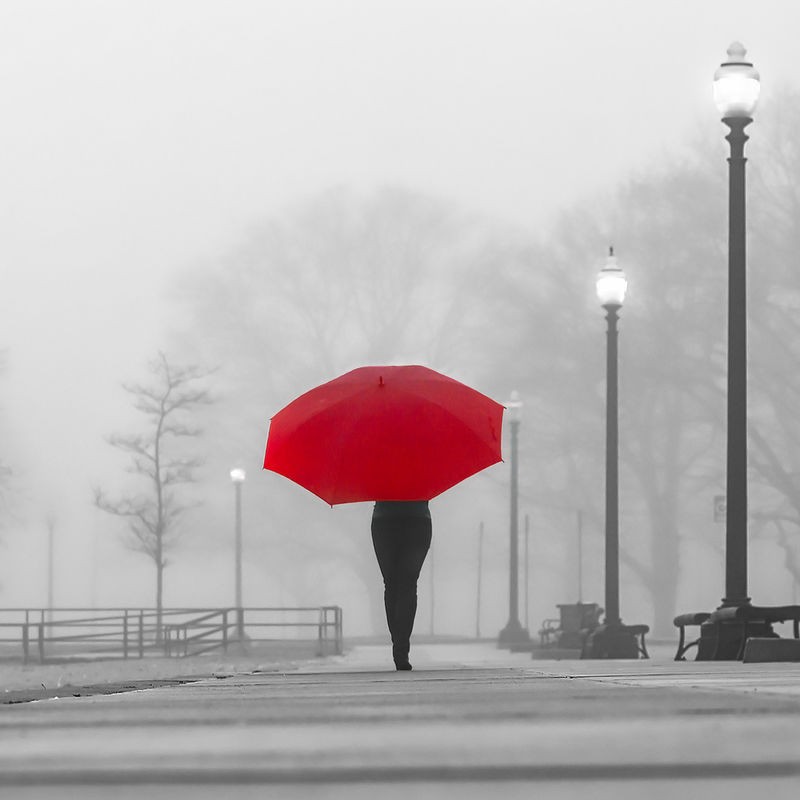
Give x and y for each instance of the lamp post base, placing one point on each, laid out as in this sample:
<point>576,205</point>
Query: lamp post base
<point>612,641</point>
<point>513,634</point>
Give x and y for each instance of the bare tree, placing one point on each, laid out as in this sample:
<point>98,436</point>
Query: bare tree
<point>543,300</point>
<point>669,225</point>
<point>775,349</point>
<point>157,457</point>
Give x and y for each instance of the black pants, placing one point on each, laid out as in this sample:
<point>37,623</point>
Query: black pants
<point>401,544</point>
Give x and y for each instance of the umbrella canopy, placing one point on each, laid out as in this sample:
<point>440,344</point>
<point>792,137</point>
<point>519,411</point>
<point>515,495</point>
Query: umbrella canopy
<point>385,433</point>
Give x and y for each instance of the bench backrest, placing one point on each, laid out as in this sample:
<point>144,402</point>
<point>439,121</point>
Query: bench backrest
<point>579,616</point>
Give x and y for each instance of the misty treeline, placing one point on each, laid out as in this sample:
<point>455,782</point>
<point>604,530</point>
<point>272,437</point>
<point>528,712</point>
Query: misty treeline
<point>390,275</point>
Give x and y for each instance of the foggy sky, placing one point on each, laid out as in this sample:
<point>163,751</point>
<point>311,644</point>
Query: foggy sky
<point>140,137</point>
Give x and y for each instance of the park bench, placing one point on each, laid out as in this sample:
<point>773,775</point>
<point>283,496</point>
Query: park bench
<point>759,617</point>
<point>569,631</point>
<point>596,646</point>
<point>683,621</point>
<point>639,632</point>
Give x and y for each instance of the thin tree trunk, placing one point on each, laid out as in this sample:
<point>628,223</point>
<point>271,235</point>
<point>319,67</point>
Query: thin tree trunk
<point>159,598</point>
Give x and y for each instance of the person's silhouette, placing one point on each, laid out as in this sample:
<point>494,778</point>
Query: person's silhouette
<point>401,535</point>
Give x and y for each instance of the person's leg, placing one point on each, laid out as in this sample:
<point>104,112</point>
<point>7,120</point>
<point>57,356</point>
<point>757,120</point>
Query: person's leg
<point>385,541</point>
<point>415,543</point>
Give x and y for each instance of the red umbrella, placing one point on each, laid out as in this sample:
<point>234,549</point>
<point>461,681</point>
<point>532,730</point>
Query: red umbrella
<point>385,433</point>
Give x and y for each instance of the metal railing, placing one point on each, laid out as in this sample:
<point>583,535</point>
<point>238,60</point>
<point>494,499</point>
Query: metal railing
<point>251,627</point>
<point>83,633</point>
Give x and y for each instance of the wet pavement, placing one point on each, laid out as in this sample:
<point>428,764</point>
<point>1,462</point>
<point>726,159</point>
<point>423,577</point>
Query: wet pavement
<point>470,719</point>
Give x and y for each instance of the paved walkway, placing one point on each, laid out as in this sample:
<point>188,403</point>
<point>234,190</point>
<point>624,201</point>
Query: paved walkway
<point>470,719</point>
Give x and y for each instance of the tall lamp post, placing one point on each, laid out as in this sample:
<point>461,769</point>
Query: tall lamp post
<point>514,633</point>
<point>612,639</point>
<point>237,478</point>
<point>736,90</point>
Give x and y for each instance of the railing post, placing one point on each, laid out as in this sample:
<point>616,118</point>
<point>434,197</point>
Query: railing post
<point>41,642</point>
<point>240,625</point>
<point>25,641</point>
<point>336,627</point>
<point>141,634</point>
<point>225,631</point>
<point>320,626</point>
<point>125,635</point>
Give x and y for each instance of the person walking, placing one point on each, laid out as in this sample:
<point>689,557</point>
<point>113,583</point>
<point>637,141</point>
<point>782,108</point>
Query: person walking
<point>401,536</point>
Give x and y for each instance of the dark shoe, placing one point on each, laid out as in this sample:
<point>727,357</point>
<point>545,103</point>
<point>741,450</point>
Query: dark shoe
<point>400,656</point>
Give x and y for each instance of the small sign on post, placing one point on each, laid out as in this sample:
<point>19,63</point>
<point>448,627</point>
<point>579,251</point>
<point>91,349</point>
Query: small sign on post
<point>720,508</point>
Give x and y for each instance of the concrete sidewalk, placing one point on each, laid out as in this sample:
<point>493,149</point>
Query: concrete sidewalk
<point>469,719</point>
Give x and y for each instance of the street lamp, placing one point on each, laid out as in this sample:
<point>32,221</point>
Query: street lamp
<point>514,633</point>
<point>736,90</point>
<point>612,639</point>
<point>238,476</point>
<point>736,87</point>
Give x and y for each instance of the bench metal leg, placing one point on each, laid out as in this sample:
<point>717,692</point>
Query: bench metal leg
<point>682,647</point>
<point>718,631</point>
<point>740,654</point>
